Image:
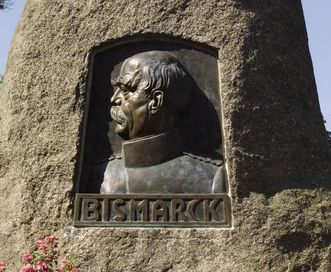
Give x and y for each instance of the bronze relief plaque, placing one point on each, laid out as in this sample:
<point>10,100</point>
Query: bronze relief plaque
<point>152,146</point>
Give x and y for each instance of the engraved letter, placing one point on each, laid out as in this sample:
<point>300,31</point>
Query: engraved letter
<point>119,213</point>
<point>160,209</point>
<point>90,210</point>
<point>136,208</point>
<point>105,210</point>
<point>191,206</point>
<point>177,208</point>
<point>210,210</point>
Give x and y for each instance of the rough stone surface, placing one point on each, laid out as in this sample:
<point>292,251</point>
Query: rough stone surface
<point>278,159</point>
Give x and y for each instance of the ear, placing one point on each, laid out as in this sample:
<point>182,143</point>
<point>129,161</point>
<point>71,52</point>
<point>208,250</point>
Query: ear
<point>156,102</point>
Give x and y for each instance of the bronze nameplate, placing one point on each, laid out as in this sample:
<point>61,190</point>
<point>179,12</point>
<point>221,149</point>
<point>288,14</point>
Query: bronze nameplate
<point>173,210</point>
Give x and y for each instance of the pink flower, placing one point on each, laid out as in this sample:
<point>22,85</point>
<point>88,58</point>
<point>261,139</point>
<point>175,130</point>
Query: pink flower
<point>51,240</point>
<point>26,256</point>
<point>42,267</point>
<point>44,257</point>
<point>2,266</point>
<point>28,268</point>
<point>49,243</point>
<point>41,245</point>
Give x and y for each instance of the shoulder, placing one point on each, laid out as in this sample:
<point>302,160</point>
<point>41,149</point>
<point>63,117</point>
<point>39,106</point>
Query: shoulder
<point>115,176</point>
<point>114,163</point>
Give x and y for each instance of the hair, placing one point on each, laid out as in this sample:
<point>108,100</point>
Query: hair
<point>158,70</point>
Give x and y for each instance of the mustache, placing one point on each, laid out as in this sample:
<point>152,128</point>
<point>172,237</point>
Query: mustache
<point>117,114</point>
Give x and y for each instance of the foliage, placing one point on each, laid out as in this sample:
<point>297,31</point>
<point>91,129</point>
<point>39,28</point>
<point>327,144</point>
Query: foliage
<point>329,137</point>
<point>44,256</point>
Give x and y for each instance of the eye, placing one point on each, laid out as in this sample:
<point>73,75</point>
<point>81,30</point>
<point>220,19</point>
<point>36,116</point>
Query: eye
<point>125,89</point>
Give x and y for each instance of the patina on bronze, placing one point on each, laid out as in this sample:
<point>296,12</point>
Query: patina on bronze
<point>152,91</point>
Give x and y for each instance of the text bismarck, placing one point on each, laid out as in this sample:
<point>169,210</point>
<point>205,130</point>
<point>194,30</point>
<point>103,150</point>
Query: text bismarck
<point>149,209</point>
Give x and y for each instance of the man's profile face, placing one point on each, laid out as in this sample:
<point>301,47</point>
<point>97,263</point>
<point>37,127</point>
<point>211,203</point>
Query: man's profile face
<point>130,104</point>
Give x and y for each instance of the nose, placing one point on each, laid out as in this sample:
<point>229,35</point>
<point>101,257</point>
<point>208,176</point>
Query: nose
<point>116,98</point>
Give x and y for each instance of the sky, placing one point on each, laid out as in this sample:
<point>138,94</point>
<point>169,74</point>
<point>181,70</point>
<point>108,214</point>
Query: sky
<point>318,22</point>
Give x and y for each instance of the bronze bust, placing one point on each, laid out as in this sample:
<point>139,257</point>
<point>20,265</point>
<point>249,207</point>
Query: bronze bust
<point>151,92</point>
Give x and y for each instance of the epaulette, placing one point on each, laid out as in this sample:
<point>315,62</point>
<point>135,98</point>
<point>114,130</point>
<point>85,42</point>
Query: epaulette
<point>115,156</point>
<point>204,159</point>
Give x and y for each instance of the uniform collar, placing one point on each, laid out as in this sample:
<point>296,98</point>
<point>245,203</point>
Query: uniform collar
<point>151,150</point>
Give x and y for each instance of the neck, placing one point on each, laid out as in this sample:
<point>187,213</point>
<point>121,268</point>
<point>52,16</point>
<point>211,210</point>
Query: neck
<point>151,150</point>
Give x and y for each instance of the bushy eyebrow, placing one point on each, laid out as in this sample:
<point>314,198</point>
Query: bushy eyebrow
<point>128,80</point>
<point>119,82</point>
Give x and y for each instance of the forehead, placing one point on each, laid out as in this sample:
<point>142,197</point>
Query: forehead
<point>129,69</point>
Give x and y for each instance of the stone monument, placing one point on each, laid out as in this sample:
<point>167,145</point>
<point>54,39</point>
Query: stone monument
<point>165,136</point>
